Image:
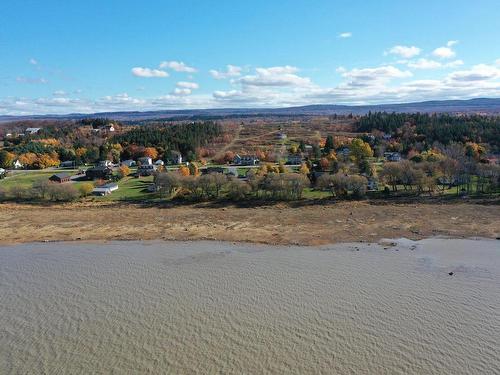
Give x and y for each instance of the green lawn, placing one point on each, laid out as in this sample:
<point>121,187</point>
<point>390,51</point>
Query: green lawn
<point>25,179</point>
<point>129,189</point>
<point>310,193</point>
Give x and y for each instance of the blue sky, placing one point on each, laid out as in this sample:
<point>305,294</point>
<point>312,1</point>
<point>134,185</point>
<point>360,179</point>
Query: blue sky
<point>86,56</point>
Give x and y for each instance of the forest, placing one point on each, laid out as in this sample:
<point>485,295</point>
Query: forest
<point>442,128</point>
<point>185,138</point>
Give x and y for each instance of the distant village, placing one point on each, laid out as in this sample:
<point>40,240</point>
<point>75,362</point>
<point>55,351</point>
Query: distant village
<point>343,158</point>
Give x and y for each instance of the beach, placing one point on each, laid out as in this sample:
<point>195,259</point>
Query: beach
<point>395,306</point>
<point>293,223</point>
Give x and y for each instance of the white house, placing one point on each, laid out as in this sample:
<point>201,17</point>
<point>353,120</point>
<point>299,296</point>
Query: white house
<point>30,131</point>
<point>67,164</point>
<point>128,163</point>
<point>392,156</point>
<point>146,160</point>
<point>105,163</point>
<point>105,189</point>
<point>245,160</point>
<point>294,159</point>
<point>175,157</point>
<point>17,164</point>
<point>344,151</point>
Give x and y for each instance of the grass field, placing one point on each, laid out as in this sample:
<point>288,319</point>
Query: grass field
<point>130,189</point>
<point>26,179</point>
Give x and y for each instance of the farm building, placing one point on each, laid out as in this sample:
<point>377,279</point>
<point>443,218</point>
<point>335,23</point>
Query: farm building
<point>105,189</point>
<point>245,160</point>
<point>294,159</point>
<point>67,164</point>
<point>60,178</point>
<point>128,163</point>
<point>146,160</point>
<point>98,172</point>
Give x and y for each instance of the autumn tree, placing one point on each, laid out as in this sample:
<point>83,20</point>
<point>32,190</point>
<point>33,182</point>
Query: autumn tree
<point>167,183</point>
<point>184,171</point>
<point>360,149</point>
<point>6,159</point>
<point>85,188</point>
<point>304,169</point>
<point>329,145</point>
<point>123,171</point>
<point>150,152</point>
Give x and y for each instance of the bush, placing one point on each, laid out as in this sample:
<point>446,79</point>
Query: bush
<point>167,183</point>
<point>238,190</point>
<point>3,194</point>
<point>40,188</point>
<point>85,189</point>
<point>357,184</point>
<point>21,193</point>
<point>63,192</point>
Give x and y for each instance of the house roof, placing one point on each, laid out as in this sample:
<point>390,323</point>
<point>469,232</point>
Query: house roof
<point>61,175</point>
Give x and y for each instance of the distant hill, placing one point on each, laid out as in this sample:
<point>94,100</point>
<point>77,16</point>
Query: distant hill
<point>480,105</point>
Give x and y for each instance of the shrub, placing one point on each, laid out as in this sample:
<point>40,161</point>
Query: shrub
<point>167,183</point>
<point>40,188</point>
<point>238,190</point>
<point>63,192</point>
<point>357,184</point>
<point>85,189</point>
<point>21,193</point>
<point>3,194</point>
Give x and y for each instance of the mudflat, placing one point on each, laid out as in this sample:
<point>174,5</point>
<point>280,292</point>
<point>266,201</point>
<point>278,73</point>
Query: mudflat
<point>282,223</point>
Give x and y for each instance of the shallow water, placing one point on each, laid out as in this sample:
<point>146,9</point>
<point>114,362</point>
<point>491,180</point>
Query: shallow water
<point>208,307</point>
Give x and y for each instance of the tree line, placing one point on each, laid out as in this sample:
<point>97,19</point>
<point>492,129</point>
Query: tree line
<point>442,128</point>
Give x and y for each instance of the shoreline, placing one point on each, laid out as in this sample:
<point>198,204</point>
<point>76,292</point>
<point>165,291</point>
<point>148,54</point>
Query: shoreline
<point>279,224</point>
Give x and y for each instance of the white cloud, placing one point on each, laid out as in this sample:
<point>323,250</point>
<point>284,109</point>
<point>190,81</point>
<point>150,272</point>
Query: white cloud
<point>33,61</point>
<point>149,73</point>
<point>405,51</point>
<point>30,80</point>
<point>446,52</point>
<point>454,64</point>
<point>181,91</point>
<point>432,64</point>
<point>344,35</point>
<point>480,72</point>
<point>59,93</point>
<point>231,71</point>
<point>278,76</point>
<point>187,85</point>
<point>424,64</point>
<point>178,66</point>
<point>373,76</point>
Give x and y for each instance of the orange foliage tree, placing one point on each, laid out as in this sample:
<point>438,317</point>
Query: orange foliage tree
<point>184,171</point>
<point>150,152</point>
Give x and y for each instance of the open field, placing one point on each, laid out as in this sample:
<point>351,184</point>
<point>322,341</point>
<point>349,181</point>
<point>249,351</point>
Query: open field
<point>274,224</point>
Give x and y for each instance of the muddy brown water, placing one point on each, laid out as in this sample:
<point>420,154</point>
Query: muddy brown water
<point>210,307</point>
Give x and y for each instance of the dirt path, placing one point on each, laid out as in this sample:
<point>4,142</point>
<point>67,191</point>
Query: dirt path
<point>223,150</point>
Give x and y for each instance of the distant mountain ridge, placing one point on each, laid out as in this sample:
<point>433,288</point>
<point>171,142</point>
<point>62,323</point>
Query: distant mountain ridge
<point>479,105</point>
